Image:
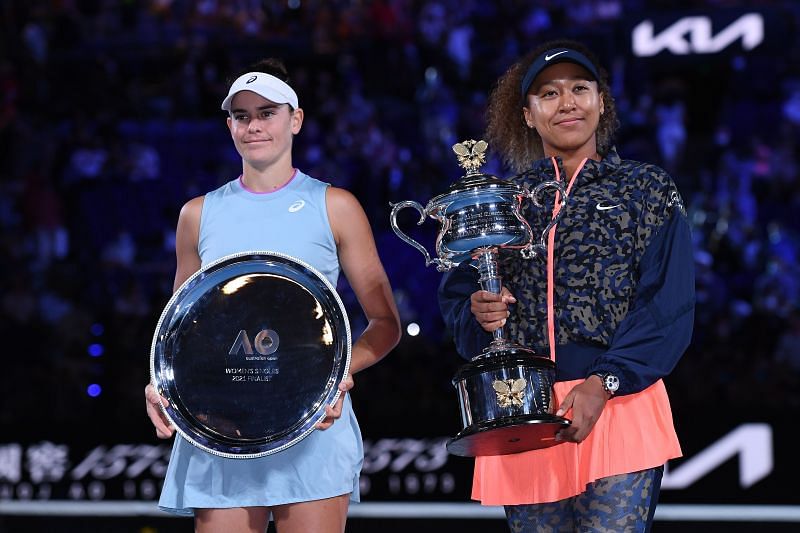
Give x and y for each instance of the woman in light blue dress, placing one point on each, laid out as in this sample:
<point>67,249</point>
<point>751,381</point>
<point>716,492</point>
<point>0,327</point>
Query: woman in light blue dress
<point>274,206</point>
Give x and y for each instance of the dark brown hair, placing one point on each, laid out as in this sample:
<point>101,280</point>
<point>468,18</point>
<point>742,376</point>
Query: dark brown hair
<point>506,130</point>
<point>271,65</point>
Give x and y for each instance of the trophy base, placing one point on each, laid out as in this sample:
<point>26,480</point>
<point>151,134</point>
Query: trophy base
<point>507,435</point>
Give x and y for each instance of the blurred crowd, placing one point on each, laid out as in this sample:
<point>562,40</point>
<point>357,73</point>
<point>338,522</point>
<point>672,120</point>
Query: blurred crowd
<point>110,121</point>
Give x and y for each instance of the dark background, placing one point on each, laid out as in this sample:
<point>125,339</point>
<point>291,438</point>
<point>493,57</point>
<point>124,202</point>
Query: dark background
<point>110,121</point>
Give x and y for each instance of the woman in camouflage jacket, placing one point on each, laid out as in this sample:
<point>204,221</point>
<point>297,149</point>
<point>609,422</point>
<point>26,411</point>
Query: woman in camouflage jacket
<point>613,304</point>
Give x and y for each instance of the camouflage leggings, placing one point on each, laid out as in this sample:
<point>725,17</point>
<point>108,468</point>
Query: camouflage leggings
<point>614,504</point>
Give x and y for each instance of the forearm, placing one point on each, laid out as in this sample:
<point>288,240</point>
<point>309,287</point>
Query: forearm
<point>381,335</point>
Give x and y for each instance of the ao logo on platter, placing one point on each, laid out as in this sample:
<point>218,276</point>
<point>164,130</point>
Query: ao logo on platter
<point>266,342</point>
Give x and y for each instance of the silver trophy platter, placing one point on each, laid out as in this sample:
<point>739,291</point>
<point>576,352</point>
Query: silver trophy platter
<point>248,352</point>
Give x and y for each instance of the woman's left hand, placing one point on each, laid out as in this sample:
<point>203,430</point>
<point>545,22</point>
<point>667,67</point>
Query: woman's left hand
<point>586,401</point>
<point>332,414</point>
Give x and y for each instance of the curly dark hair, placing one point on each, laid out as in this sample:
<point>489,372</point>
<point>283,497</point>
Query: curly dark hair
<point>506,130</point>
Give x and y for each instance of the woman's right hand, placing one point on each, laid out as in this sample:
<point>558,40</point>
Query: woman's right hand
<point>491,309</point>
<point>153,401</point>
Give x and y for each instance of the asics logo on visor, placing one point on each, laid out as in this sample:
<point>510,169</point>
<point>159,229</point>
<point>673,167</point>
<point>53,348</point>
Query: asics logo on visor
<point>251,80</point>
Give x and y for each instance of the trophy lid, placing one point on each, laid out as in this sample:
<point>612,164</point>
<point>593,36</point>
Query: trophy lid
<point>471,155</point>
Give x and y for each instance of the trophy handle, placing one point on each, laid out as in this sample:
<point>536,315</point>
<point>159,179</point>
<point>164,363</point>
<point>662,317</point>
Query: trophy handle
<point>541,247</point>
<point>442,266</point>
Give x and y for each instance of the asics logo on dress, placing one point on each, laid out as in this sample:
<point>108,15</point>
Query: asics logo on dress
<point>297,206</point>
<point>548,58</point>
<point>602,207</point>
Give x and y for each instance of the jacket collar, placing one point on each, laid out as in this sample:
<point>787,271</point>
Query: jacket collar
<point>542,169</point>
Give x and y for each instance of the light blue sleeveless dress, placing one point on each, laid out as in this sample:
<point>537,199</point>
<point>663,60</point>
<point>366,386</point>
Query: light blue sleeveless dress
<point>292,220</point>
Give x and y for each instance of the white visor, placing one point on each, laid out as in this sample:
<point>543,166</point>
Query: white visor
<point>266,85</point>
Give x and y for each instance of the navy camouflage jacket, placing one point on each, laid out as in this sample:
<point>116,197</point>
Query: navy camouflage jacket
<point>624,277</point>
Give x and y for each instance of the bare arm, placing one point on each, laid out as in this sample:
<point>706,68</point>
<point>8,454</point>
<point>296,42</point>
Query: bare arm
<point>188,262</point>
<point>359,259</point>
<point>187,236</point>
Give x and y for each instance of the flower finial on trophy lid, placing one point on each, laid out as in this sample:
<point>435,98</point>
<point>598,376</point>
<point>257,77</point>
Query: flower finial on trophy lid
<point>471,155</point>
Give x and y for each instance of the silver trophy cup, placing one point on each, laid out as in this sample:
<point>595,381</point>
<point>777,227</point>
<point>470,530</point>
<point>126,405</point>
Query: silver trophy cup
<point>505,392</point>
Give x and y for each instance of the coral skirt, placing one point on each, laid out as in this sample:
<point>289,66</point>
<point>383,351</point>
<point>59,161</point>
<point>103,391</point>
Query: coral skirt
<point>634,432</point>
